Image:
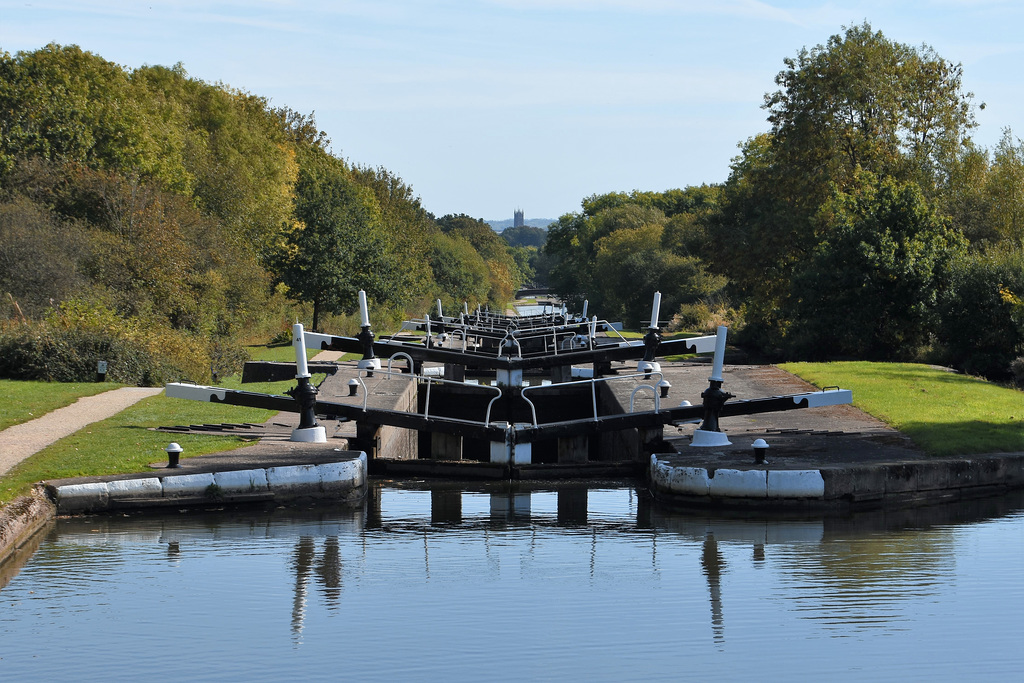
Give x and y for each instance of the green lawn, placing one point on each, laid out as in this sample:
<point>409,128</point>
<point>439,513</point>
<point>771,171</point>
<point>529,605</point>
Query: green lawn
<point>124,443</point>
<point>666,337</point>
<point>281,353</point>
<point>943,412</point>
<point>24,401</point>
<point>285,353</point>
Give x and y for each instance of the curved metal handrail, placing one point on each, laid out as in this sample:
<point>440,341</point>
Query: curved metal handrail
<point>593,391</point>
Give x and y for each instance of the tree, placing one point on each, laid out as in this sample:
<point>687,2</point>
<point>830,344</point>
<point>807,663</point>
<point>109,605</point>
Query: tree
<point>858,103</point>
<point>459,271</point>
<point>863,101</point>
<point>525,236</point>
<point>1004,191</point>
<point>631,265</point>
<point>505,276</point>
<point>39,256</point>
<point>410,233</point>
<point>870,289</point>
<point>337,245</point>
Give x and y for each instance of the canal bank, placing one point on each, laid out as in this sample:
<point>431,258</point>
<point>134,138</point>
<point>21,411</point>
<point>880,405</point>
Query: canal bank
<point>832,458</point>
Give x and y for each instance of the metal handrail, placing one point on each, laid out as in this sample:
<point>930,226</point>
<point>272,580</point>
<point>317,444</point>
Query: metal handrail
<point>593,391</point>
<point>657,398</point>
<point>429,381</point>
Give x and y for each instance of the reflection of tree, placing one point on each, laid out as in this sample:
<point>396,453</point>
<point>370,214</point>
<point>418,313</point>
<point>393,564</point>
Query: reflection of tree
<point>713,564</point>
<point>328,572</point>
<point>861,582</point>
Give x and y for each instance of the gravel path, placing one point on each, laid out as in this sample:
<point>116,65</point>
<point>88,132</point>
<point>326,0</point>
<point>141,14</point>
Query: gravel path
<point>20,441</point>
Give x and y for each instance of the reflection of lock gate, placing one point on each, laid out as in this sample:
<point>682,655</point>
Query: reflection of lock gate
<point>508,345</point>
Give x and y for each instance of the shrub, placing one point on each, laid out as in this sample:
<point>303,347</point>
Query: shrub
<point>1017,370</point>
<point>39,352</point>
<point>982,314</point>
<point>704,317</point>
<point>67,346</point>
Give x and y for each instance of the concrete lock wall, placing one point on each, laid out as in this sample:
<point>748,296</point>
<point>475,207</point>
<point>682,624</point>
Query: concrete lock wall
<point>393,442</point>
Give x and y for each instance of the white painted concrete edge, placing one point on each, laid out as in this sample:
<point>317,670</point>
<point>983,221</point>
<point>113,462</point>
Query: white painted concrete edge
<point>295,479</point>
<point>731,483</point>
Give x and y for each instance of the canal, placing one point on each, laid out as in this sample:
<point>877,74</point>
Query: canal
<point>475,583</point>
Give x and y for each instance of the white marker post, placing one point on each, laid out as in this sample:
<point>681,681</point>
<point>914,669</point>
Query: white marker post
<point>586,302</point>
<point>364,313</point>
<point>440,313</point>
<point>656,310</point>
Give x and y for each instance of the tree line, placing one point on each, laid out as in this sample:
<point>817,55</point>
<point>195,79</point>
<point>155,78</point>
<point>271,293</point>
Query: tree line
<point>149,214</point>
<point>156,218</point>
<point>865,223</point>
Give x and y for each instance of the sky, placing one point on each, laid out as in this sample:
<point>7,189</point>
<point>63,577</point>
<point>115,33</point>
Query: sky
<point>486,106</point>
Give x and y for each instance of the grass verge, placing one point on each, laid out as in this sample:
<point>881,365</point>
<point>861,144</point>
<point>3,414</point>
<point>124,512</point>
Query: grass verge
<point>24,401</point>
<point>944,413</point>
<point>285,353</point>
<point>124,443</point>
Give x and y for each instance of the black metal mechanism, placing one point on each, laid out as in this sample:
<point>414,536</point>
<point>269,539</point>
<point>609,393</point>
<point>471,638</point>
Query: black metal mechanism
<point>365,338</point>
<point>651,341</point>
<point>714,401</point>
<point>305,395</point>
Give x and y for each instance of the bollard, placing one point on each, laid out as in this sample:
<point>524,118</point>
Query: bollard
<point>173,453</point>
<point>760,451</point>
<point>353,387</point>
<point>664,385</point>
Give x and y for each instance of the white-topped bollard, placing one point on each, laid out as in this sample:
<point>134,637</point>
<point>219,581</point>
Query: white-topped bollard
<point>760,451</point>
<point>173,453</point>
<point>663,386</point>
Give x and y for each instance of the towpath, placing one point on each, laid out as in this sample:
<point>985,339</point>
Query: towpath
<point>22,440</point>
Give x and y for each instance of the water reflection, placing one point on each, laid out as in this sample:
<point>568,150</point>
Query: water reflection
<point>537,557</point>
<point>713,564</point>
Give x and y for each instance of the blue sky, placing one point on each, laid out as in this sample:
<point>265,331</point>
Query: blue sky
<point>483,106</point>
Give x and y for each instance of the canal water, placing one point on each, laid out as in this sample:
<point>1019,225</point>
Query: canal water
<point>567,583</point>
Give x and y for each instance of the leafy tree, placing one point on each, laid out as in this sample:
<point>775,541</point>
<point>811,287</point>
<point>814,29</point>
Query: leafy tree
<point>859,102</point>
<point>525,236</point>
<point>410,232</point>
<point>338,244</point>
<point>630,265</point>
<point>863,101</point>
<point>964,199</point>
<point>1004,191</point>
<point>458,270</point>
<point>39,256</point>
<point>568,248</point>
<point>870,289</point>
<point>505,276</point>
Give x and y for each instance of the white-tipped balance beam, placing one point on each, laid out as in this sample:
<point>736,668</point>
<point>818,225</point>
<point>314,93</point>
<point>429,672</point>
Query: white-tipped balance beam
<point>719,361</point>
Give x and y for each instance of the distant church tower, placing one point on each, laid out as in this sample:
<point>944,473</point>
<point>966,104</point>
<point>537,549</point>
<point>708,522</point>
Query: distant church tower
<point>518,221</point>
